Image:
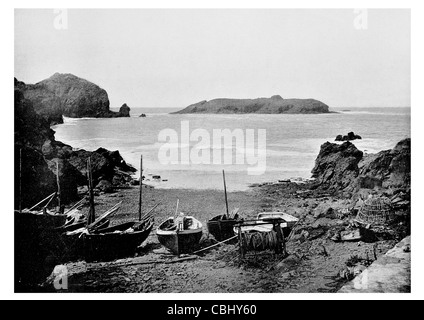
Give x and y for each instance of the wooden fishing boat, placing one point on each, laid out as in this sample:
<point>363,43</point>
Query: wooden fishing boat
<point>180,240</point>
<point>122,240</point>
<point>221,227</point>
<point>117,241</point>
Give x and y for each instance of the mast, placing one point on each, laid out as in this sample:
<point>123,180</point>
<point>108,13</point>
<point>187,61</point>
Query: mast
<point>20,180</point>
<point>58,185</point>
<point>140,199</point>
<point>91,213</point>
<point>225,191</point>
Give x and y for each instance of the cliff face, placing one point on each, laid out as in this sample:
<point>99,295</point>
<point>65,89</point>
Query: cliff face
<point>344,167</point>
<point>37,154</point>
<point>68,95</point>
<point>276,104</point>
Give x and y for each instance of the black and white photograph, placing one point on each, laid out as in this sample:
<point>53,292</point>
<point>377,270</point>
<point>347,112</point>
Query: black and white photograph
<point>211,151</point>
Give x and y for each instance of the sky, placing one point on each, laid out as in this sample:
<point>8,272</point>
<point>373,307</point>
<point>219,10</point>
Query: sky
<point>175,57</point>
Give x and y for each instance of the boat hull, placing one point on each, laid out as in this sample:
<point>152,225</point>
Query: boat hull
<point>221,229</point>
<point>181,243</point>
<point>111,245</point>
<point>184,241</point>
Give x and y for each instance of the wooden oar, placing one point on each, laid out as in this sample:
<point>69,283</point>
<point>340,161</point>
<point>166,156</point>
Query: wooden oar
<point>36,205</point>
<point>147,215</point>
<point>105,215</point>
<point>176,210</point>
<point>75,206</point>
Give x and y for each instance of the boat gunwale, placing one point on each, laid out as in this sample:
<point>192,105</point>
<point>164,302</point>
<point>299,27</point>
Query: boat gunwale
<point>161,232</point>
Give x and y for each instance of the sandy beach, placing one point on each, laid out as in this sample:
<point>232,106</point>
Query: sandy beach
<point>315,263</point>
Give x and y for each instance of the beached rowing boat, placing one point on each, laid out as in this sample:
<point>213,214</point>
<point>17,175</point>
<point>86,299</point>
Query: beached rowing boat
<point>221,227</point>
<point>180,235</point>
<point>117,241</point>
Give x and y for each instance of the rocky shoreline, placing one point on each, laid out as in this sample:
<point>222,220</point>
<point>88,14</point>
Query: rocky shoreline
<point>316,262</point>
<point>319,259</point>
<point>38,156</point>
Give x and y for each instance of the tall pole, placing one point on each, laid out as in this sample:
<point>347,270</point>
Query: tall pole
<point>140,199</point>
<point>91,213</point>
<point>58,184</point>
<point>20,180</point>
<point>225,191</point>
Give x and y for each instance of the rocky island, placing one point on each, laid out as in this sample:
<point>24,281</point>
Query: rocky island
<point>64,94</point>
<point>274,105</point>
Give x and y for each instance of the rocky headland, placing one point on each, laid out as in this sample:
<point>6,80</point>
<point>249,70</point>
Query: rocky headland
<point>37,154</point>
<point>70,96</point>
<point>274,105</point>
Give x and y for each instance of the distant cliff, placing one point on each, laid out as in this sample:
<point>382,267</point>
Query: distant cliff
<point>68,95</point>
<point>274,105</point>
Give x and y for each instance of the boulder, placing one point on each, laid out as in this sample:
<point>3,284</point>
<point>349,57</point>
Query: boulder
<point>337,165</point>
<point>105,186</point>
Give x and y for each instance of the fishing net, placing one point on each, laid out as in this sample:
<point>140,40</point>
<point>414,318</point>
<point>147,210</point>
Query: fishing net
<point>376,211</point>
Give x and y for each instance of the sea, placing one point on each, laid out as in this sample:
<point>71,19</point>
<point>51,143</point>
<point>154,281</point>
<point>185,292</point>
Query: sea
<point>184,152</point>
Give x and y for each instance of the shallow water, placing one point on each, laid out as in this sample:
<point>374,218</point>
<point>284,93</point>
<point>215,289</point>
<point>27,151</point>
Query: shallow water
<point>292,142</point>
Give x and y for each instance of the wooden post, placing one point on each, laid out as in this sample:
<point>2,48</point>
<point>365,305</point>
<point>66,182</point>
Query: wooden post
<point>280,246</point>
<point>58,184</point>
<point>20,180</point>
<point>225,191</point>
<point>240,239</point>
<point>91,214</point>
<point>140,199</point>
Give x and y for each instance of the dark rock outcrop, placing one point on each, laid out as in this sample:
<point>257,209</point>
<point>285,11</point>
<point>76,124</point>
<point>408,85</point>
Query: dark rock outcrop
<point>387,169</point>
<point>276,104</point>
<point>124,111</point>
<point>104,164</point>
<point>337,165</point>
<point>70,96</point>
<point>349,137</point>
<point>343,167</point>
<point>33,178</point>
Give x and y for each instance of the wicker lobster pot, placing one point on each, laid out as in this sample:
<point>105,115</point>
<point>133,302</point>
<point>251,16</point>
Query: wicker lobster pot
<point>376,211</point>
